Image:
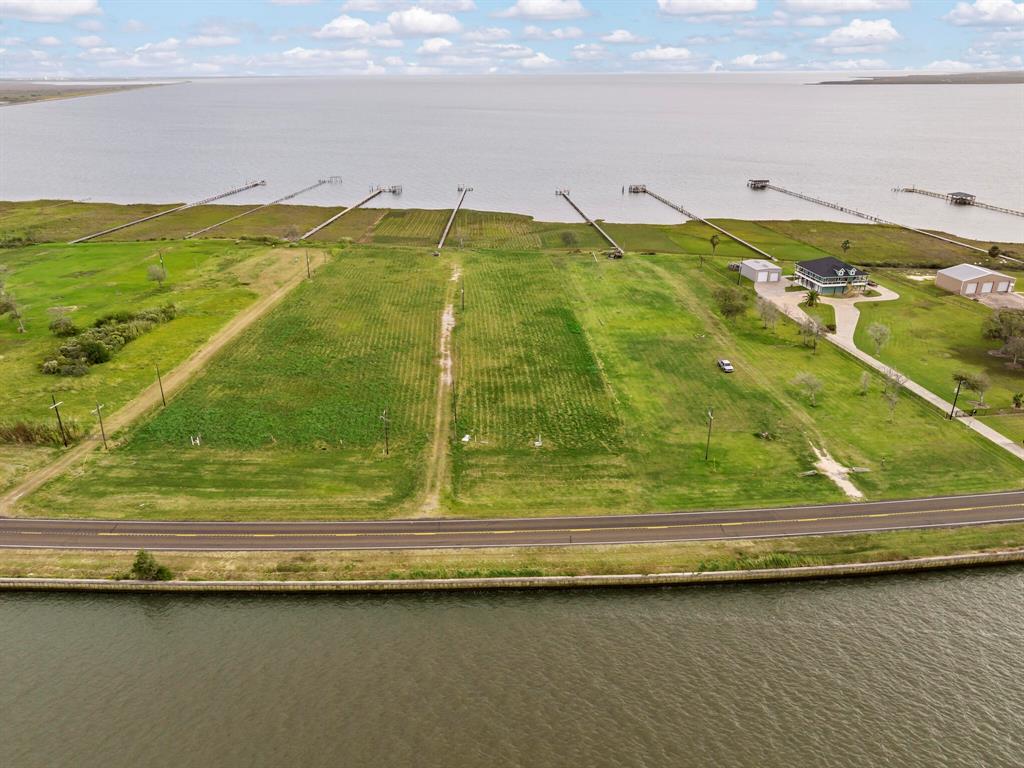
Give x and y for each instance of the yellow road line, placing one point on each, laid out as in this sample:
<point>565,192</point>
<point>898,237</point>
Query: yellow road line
<point>534,531</point>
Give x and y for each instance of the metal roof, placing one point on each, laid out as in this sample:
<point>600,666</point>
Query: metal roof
<point>830,267</point>
<point>761,264</point>
<point>970,271</point>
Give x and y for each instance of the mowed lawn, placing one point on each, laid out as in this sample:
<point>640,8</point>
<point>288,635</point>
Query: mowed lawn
<point>289,415</point>
<point>206,281</point>
<point>934,335</point>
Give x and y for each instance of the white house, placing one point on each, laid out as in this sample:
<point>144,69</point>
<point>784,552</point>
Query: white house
<point>761,271</point>
<point>972,280</point>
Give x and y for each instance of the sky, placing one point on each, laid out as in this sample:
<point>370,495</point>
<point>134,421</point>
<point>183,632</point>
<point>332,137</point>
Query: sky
<point>192,38</point>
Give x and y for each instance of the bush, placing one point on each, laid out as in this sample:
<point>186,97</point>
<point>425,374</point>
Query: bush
<point>35,433</point>
<point>146,568</point>
<point>63,326</point>
<point>107,336</point>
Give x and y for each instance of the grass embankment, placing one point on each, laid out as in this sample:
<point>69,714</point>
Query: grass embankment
<point>537,561</point>
<point>934,335</point>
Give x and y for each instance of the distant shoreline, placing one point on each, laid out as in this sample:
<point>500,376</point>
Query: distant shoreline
<point>963,78</point>
<point>13,92</point>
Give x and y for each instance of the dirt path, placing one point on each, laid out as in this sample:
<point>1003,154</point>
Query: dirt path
<point>150,397</point>
<point>437,461</point>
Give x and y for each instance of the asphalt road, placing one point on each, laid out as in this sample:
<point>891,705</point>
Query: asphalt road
<point>944,511</point>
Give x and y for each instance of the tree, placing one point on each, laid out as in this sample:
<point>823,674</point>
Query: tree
<point>157,274</point>
<point>811,331</point>
<point>979,383</point>
<point>1004,324</point>
<point>1014,348</point>
<point>865,383</point>
<point>1018,399</point>
<point>810,384</point>
<point>768,311</point>
<point>732,302</point>
<point>569,239</point>
<point>812,298</point>
<point>845,246</point>
<point>893,386</point>
<point>994,251</point>
<point>880,334</point>
<point>714,240</point>
<point>146,568</point>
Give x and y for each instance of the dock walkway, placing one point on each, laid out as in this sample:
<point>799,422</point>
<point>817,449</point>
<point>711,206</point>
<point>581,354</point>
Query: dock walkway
<point>960,199</point>
<point>451,219</point>
<point>320,183</point>
<point>394,189</point>
<point>615,246</point>
<point>204,201</point>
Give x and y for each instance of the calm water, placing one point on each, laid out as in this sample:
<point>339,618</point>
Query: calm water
<point>915,671</point>
<point>694,138</point>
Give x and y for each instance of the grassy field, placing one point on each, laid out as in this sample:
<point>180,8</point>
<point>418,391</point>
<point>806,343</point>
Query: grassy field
<point>935,334</point>
<point>289,415</point>
<point>527,561</point>
<point>208,282</point>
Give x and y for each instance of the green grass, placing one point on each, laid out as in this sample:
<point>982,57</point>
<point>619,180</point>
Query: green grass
<point>825,314</point>
<point>92,279</point>
<point>289,414</point>
<point>934,334</point>
<point>411,227</point>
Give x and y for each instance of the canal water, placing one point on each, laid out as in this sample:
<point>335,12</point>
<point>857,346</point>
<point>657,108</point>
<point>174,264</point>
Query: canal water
<point>902,671</point>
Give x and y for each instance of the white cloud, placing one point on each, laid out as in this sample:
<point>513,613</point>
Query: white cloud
<point>383,6</point>
<point>567,33</point>
<point>759,61</point>
<point>538,61</point>
<point>133,25</point>
<point>212,41</point>
<point>703,7</point>
<point>302,55</point>
<point>416,22</point>
<point>987,12</point>
<point>844,6</point>
<point>11,41</point>
<point>90,25</point>
<point>170,44</point>
<point>623,37</point>
<point>48,11</point>
<point>858,64</point>
<point>394,61</point>
<point>659,53</point>
<point>88,41</point>
<point>352,28</point>
<point>505,50</point>
<point>434,46</point>
<point>551,10</point>
<point>532,32</point>
<point>860,36</point>
<point>818,21</point>
<point>48,40</point>
<point>948,65</point>
<point>486,34</point>
<point>589,52</point>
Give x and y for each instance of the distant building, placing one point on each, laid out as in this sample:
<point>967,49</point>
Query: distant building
<point>972,280</point>
<point>761,271</point>
<point>961,198</point>
<point>830,276</point>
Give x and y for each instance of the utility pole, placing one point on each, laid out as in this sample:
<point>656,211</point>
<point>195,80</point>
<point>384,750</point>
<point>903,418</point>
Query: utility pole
<point>161,383</point>
<point>308,274</point>
<point>455,409</point>
<point>711,420</point>
<point>60,424</point>
<point>384,418</point>
<point>959,383</point>
<point>103,432</point>
<point>463,287</point>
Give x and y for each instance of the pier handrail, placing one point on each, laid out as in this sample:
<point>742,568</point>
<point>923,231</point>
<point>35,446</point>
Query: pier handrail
<point>451,219</point>
<point>565,193</point>
<point>279,200</point>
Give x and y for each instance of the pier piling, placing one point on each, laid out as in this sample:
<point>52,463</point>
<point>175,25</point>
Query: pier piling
<point>641,189</point>
<point>616,248</point>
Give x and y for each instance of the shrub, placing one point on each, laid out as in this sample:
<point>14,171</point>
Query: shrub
<point>107,336</point>
<point>146,568</point>
<point>36,433</point>
<point>63,326</point>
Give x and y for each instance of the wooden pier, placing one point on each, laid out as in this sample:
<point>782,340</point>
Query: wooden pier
<point>960,198</point>
<point>320,183</point>
<point>641,189</point>
<point>861,215</point>
<point>394,189</point>
<point>204,201</point>
<point>451,219</point>
<point>617,251</point>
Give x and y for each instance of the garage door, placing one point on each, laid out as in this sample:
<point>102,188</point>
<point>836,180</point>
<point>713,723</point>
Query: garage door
<point>986,287</point>
<point>773,277</point>
<point>970,288</point>
<point>762,277</point>
<point>1003,287</point>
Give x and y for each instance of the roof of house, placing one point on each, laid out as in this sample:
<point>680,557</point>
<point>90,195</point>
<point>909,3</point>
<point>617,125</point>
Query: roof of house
<point>970,271</point>
<point>831,267</point>
<point>761,264</point>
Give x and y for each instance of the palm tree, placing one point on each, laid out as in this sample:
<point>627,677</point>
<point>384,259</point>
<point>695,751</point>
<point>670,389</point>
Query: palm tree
<point>812,297</point>
<point>846,246</point>
<point>714,243</point>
